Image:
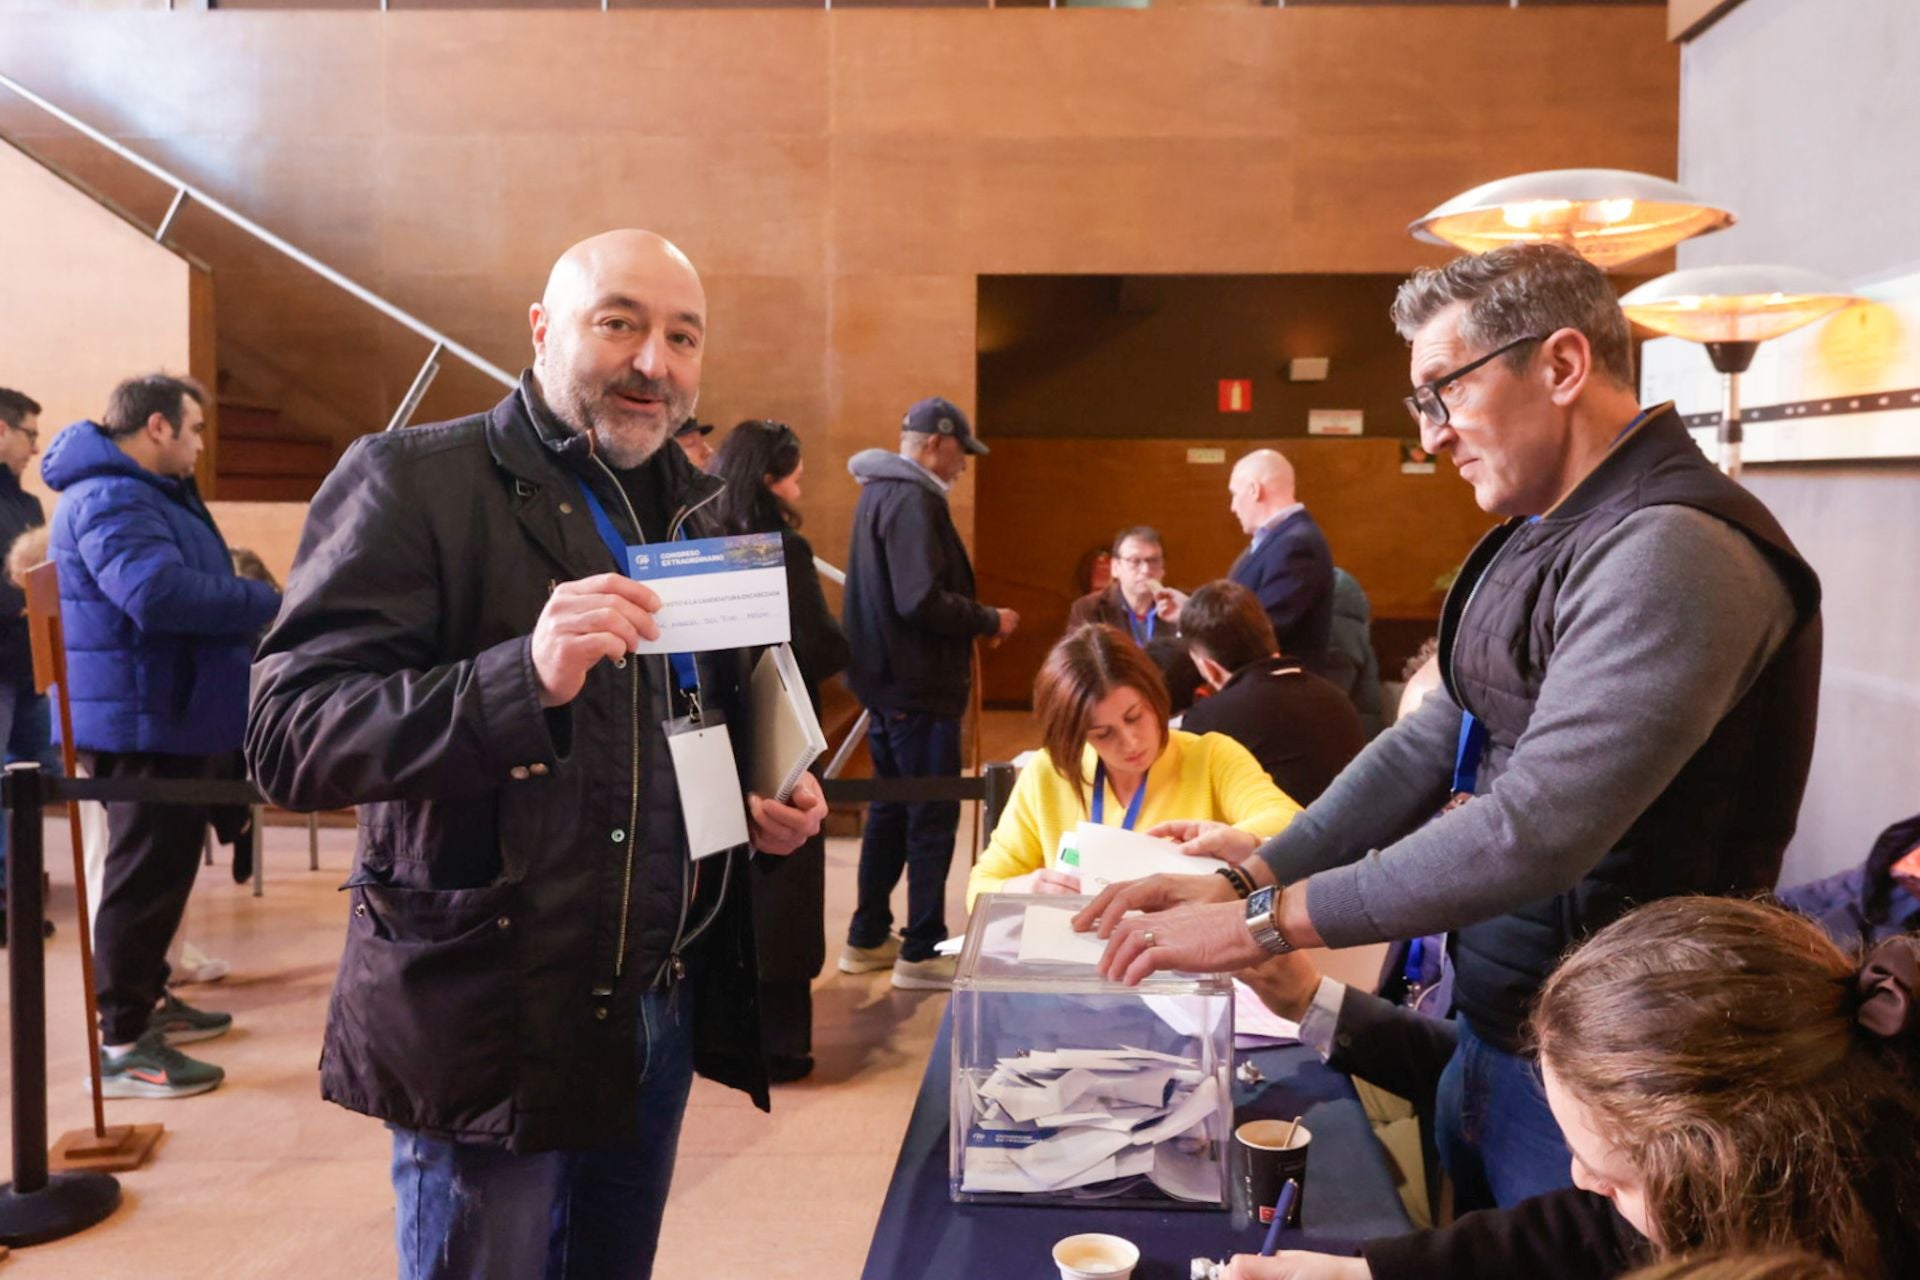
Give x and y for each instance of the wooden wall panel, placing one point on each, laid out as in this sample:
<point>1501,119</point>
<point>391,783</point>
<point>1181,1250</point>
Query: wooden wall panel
<point>842,177</point>
<point>59,344</point>
<point>1043,503</point>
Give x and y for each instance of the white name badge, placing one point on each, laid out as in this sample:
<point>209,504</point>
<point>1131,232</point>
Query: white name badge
<point>715,593</point>
<point>712,802</point>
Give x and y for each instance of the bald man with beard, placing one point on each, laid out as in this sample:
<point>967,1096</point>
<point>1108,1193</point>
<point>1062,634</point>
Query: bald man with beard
<point>535,965</point>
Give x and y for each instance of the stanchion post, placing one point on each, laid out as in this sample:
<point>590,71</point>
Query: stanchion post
<point>35,1207</point>
<point>1000,778</point>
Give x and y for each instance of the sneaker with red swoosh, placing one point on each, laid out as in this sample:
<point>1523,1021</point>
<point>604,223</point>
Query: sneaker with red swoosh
<point>155,1069</point>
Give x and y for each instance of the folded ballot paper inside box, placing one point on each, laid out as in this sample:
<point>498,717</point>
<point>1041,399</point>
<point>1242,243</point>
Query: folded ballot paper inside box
<point>1070,1089</point>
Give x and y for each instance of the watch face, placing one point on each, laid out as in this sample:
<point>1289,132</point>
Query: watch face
<point>1261,903</point>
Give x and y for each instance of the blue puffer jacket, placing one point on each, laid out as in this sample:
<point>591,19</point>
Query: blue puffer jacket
<point>159,630</point>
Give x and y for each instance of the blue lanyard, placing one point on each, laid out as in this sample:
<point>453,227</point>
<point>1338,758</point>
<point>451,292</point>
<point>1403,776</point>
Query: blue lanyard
<point>685,673</point>
<point>1638,418</point>
<point>1467,753</point>
<point>1100,797</point>
<point>1133,623</point>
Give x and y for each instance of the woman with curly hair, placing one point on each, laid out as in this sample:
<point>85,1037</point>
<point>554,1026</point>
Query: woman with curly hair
<point>1728,1079</point>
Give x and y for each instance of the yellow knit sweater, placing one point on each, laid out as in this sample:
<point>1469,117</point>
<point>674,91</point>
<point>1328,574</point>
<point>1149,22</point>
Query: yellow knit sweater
<point>1203,776</point>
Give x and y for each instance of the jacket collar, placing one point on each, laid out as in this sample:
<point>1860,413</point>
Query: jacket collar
<point>534,446</point>
<point>1660,433</point>
<point>1274,664</point>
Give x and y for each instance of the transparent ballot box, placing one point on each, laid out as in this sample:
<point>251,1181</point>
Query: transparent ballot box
<point>1070,1089</point>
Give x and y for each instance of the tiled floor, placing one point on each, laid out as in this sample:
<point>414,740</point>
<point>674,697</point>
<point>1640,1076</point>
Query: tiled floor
<point>263,1179</point>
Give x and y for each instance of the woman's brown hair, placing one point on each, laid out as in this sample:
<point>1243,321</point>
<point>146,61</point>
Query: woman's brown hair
<point>1086,666</point>
<point>1789,1265</point>
<point>1716,1044</point>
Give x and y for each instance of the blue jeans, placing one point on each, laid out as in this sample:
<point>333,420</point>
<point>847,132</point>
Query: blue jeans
<point>468,1210</point>
<point>26,729</point>
<point>1498,1141</point>
<point>915,838</point>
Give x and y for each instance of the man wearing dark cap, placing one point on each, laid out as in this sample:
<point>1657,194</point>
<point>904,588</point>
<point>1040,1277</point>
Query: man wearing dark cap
<point>691,436</point>
<point>911,620</point>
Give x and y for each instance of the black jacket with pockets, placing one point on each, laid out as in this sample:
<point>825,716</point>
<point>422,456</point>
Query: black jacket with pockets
<point>521,878</point>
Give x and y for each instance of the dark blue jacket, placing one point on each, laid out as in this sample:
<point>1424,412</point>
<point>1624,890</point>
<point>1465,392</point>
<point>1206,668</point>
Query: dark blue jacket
<point>19,512</point>
<point>159,629</point>
<point>1291,571</point>
<point>910,615</point>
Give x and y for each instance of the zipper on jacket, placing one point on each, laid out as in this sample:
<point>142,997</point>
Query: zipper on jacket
<point>688,885</point>
<point>1453,656</point>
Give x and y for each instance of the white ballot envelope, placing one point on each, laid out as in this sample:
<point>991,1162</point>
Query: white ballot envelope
<point>715,593</point>
<point>1111,855</point>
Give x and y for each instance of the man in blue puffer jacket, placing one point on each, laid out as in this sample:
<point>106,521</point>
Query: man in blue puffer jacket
<point>159,634</point>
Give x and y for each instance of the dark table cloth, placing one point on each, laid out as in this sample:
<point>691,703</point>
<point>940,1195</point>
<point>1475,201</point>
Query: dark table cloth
<point>923,1235</point>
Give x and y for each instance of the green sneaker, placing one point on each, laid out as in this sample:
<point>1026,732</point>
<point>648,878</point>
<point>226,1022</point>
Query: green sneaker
<point>181,1023</point>
<point>155,1069</point>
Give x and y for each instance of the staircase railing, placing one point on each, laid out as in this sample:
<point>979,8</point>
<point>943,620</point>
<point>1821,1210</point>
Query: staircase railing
<point>184,191</point>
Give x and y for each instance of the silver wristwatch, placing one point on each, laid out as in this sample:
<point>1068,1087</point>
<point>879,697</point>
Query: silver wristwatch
<point>1261,909</point>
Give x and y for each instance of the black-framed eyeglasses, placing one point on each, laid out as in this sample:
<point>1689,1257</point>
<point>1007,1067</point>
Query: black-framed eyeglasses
<point>1426,401</point>
<point>31,433</point>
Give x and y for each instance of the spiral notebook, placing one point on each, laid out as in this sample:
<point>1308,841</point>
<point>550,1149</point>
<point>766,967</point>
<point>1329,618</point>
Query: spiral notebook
<point>786,733</point>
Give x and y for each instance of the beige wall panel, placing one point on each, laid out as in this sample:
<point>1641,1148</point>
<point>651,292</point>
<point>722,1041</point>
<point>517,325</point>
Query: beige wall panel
<point>173,75</point>
<point>712,74</point>
<point>1051,74</point>
<point>518,200</point>
<point>993,205</point>
<point>271,529</point>
<point>60,345</point>
<point>765,356</point>
<point>895,340</point>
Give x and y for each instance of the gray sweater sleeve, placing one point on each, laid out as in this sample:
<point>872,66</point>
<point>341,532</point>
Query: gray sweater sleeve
<point>1661,627</point>
<point>1389,789</point>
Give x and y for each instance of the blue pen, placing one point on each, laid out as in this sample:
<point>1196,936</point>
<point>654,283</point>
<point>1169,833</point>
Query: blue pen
<point>1281,1208</point>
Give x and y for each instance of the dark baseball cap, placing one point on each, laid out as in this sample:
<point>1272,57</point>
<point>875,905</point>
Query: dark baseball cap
<point>692,428</point>
<point>938,417</point>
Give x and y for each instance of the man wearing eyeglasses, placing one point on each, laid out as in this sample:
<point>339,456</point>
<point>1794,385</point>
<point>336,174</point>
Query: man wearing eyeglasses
<point>25,727</point>
<point>1630,666</point>
<point>1137,601</point>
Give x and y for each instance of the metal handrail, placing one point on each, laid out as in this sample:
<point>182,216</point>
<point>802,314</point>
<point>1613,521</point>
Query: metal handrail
<point>184,191</point>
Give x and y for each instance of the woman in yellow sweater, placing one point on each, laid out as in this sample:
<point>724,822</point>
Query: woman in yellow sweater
<point>1101,703</point>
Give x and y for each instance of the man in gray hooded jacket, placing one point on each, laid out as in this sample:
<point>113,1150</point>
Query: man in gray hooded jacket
<point>911,619</point>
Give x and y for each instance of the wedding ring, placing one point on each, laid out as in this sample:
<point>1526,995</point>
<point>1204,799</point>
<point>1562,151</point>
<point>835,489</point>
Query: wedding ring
<point>1148,935</point>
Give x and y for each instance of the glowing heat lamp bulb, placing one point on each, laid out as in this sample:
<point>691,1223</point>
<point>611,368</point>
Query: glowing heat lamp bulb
<point>1608,216</point>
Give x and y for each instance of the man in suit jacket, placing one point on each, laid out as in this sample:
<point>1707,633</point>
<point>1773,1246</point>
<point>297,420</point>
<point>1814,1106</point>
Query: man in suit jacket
<point>1288,567</point>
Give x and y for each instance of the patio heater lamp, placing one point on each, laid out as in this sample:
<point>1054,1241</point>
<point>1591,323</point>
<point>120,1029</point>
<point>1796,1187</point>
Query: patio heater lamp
<point>1732,310</point>
<point>1608,216</point>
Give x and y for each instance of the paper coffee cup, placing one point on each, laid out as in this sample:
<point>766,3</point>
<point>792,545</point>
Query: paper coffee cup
<point>1095,1257</point>
<point>1265,1165</point>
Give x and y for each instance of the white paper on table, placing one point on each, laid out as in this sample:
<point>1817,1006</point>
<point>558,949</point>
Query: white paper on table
<point>1110,855</point>
<point>1178,1013</point>
<point>1100,1059</point>
<point>1052,1161</point>
<point>1184,1174</point>
<point>1192,1110</point>
<point>1140,1088</point>
<point>715,593</point>
<point>1252,1020</point>
<point>1047,937</point>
